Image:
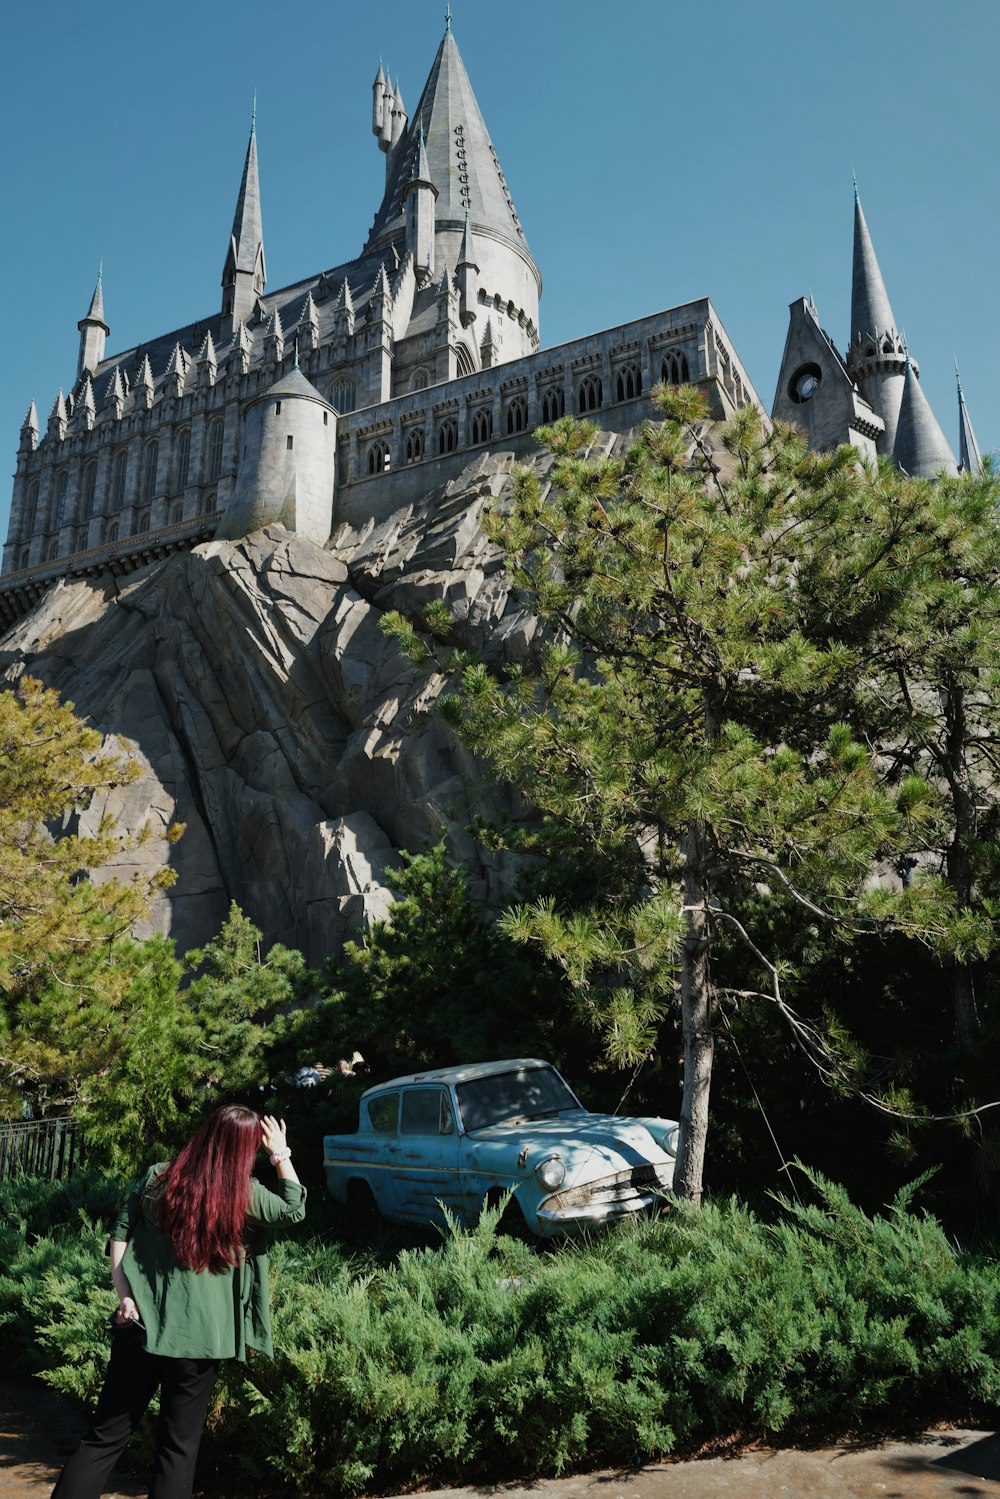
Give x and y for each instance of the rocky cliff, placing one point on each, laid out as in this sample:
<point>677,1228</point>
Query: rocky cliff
<point>271,715</point>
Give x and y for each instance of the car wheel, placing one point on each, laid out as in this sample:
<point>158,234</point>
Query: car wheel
<point>362,1206</point>
<point>512,1221</point>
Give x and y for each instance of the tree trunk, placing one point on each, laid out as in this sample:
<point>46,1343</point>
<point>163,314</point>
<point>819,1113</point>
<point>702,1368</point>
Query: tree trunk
<point>696,1021</point>
<point>958,865</point>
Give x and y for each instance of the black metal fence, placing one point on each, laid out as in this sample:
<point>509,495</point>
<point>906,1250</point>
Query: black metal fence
<point>38,1147</point>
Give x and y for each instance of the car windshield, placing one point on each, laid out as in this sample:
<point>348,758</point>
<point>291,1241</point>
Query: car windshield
<point>524,1093</point>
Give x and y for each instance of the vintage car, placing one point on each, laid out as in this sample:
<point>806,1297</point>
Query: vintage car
<point>463,1137</point>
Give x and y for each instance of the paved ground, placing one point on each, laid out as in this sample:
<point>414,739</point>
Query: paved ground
<point>38,1430</point>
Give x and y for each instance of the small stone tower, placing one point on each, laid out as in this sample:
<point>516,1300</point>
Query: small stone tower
<point>876,357</point>
<point>287,463</point>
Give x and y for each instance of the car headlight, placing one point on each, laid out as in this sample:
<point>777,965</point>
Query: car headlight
<point>669,1141</point>
<point>551,1173</point>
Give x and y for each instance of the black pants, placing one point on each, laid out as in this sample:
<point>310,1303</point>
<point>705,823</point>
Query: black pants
<point>185,1386</point>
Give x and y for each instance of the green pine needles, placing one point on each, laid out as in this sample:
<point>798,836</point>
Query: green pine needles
<point>481,1358</point>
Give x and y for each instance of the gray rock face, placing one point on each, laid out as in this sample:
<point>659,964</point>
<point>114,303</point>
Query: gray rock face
<point>271,715</point>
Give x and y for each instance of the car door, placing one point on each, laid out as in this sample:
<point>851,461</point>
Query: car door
<point>426,1156</point>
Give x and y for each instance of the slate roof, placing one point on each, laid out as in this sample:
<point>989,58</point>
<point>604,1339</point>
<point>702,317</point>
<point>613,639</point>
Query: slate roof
<point>870,310</point>
<point>920,449</point>
<point>460,158</point>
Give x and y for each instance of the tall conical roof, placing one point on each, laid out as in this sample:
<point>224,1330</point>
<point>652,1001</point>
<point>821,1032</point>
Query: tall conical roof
<point>970,459</point>
<point>247,239</point>
<point>871,313</point>
<point>95,313</point>
<point>460,158</point>
<point>921,449</point>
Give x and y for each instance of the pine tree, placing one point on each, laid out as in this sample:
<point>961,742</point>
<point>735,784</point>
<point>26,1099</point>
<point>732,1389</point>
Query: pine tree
<point>676,728</point>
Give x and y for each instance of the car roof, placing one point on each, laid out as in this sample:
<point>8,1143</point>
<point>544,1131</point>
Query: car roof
<point>462,1074</point>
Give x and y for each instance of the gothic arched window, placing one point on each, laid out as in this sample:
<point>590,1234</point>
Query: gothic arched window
<point>674,370</point>
<point>553,404</point>
<point>150,461</point>
<point>482,425</point>
<point>463,361</point>
<point>118,479</point>
<point>448,436</point>
<point>143,524</point>
<point>419,380</point>
<point>177,514</point>
<point>343,394</point>
<point>62,485</point>
<point>214,453</point>
<point>53,551</point>
<point>31,508</point>
<point>590,396</point>
<point>517,415</point>
<point>89,489</point>
<point>113,531</point>
<point>183,459</point>
<point>414,445</point>
<point>24,558</point>
<point>378,457</point>
<point>629,382</point>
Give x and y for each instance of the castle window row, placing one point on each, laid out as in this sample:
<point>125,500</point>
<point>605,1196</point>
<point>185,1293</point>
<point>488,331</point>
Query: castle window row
<point>590,390</point>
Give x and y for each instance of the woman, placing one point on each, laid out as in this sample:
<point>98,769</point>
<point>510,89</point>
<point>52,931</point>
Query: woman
<point>189,1263</point>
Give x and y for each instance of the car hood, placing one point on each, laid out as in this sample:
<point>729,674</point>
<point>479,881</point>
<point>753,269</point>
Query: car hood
<point>590,1145</point>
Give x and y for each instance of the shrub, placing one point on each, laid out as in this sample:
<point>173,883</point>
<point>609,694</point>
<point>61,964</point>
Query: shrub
<point>481,1356</point>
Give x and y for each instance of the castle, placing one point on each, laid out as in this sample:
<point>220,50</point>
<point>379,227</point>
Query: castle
<point>363,387</point>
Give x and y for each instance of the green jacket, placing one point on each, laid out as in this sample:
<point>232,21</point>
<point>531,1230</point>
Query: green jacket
<point>203,1314</point>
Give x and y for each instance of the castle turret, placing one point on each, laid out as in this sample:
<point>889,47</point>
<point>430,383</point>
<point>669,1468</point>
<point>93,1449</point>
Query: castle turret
<point>244,273</point>
<point>29,430</point>
<point>920,449</point>
<point>93,333</point>
<point>378,101</point>
<point>419,195</point>
<point>388,99</point>
<point>467,272</point>
<point>970,459</point>
<point>58,418</point>
<point>287,463</point>
<point>876,358</point>
<point>398,115</point>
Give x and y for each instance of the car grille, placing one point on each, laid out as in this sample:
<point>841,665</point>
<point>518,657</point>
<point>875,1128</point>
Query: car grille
<point>624,1187</point>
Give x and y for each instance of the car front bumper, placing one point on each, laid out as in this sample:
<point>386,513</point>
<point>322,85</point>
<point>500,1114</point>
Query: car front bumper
<point>639,1190</point>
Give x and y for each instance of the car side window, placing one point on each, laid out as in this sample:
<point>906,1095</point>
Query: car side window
<point>427,1111</point>
<point>383,1113</point>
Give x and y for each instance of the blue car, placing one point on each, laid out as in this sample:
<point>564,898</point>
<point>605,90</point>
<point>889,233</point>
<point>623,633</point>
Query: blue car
<point>462,1137</point>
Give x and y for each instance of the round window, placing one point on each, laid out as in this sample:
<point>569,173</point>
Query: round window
<point>805,383</point>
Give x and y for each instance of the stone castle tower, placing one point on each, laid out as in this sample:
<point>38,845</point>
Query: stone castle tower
<point>871,397</point>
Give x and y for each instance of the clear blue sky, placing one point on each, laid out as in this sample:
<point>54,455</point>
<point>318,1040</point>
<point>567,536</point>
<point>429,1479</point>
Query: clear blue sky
<point>656,152</point>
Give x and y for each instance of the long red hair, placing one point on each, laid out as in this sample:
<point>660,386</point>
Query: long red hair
<point>204,1193</point>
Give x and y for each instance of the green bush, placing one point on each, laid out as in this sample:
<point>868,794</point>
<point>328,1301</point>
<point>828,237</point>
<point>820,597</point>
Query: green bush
<point>482,1357</point>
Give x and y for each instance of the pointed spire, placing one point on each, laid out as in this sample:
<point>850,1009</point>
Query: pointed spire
<point>920,448</point>
<point>381,285</point>
<point>344,299</point>
<point>308,329</point>
<point>378,101</point>
<point>274,338</point>
<point>58,417</point>
<point>970,459</point>
<point>176,371</point>
<point>871,314</point>
<point>86,407</point>
<point>398,114</point>
<point>245,270</point>
<point>242,348</point>
<point>115,394</point>
<point>95,313</point>
<point>142,390</point>
<point>93,330</point>
<point>207,361</point>
<point>29,429</point>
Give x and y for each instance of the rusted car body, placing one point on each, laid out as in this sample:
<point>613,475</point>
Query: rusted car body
<point>462,1137</point>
